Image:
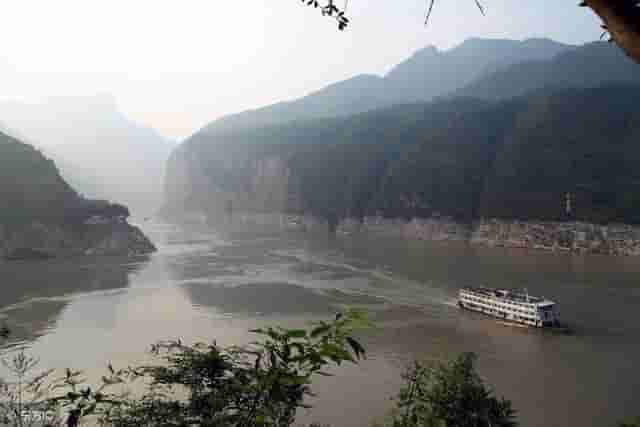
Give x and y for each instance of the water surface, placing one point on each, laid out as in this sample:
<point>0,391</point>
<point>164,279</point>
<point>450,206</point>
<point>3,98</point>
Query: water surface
<point>210,284</point>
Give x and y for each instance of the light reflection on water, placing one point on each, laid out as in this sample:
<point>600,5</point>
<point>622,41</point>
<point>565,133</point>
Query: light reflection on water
<point>207,285</point>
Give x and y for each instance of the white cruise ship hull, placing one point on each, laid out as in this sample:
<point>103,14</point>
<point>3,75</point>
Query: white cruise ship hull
<point>502,318</point>
<point>510,307</point>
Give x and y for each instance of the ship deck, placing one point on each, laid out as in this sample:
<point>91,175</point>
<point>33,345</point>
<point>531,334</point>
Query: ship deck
<point>505,294</point>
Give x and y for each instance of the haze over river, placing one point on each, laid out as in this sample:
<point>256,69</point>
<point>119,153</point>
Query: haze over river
<point>204,285</point>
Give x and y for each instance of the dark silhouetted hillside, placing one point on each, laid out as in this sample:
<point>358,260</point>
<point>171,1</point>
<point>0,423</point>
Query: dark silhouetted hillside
<point>591,65</point>
<point>463,158</point>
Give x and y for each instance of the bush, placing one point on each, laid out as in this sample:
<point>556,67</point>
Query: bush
<point>450,395</point>
<point>23,397</point>
<point>260,385</point>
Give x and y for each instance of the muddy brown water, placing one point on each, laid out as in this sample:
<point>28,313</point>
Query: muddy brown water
<point>212,284</point>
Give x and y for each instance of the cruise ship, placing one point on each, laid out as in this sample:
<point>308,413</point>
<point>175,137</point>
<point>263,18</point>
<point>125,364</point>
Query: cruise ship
<point>510,306</point>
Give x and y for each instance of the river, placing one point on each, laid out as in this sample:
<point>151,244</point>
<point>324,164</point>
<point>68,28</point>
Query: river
<point>212,284</point>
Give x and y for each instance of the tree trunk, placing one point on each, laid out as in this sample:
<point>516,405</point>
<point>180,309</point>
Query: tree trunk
<point>621,19</point>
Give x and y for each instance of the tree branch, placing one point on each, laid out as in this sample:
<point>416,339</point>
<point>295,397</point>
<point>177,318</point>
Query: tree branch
<point>621,19</point>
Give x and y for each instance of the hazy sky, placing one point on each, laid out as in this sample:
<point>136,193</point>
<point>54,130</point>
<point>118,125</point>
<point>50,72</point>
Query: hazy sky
<point>176,65</point>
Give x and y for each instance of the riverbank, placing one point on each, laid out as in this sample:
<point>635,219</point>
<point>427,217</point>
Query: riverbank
<point>38,240</point>
<point>567,237</point>
<point>573,237</point>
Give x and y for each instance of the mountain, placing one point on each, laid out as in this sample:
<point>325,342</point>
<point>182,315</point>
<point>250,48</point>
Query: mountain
<point>83,179</point>
<point>360,93</point>
<point>30,184</point>
<point>78,177</point>
<point>101,150</point>
<point>480,68</point>
<point>591,65</point>
<point>462,158</point>
<point>509,140</point>
<point>42,216</point>
<point>428,74</point>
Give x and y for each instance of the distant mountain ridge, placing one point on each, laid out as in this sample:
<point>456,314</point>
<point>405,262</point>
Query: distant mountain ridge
<point>591,65</point>
<point>427,74</point>
<point>351,96</point>
<point>82,179</point>
<point>99,149</point>
<point>430,73</point>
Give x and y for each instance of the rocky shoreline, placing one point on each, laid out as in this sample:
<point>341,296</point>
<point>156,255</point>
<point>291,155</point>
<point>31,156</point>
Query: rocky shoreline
<point>573,237</point>
<point>38,240</point>
<point>567,237</point>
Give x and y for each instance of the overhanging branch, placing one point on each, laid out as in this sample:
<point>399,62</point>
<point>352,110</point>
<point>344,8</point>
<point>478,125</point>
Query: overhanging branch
<point>621,19</point>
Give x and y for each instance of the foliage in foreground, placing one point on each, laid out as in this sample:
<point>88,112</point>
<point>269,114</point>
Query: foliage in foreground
<point>263,384</point>
<point>259,385</point>
<point>631,423</point>
<point>22,398</point>
<point>621,19</point>
<point>450,395</point>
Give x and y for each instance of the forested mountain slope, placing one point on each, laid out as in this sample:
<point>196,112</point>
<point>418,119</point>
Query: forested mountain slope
<point>41,216</point>
<point>80,178</point>
<point>30,184</point>
<point>431,73</point>
<point>591,65</point>
<point>464,158</point>
<point>99,149</point>
<point>502,139</point>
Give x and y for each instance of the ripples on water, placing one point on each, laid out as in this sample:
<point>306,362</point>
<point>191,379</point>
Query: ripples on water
<point>203,285</point>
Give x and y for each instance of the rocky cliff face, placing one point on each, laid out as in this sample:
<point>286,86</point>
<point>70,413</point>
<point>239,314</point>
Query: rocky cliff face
<point>39,240</point>
<point>567,237</point>
<point>226,183</point>
<point>553,236</point>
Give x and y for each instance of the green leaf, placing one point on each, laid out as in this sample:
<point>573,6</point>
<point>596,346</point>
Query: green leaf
<point>296,333</point>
